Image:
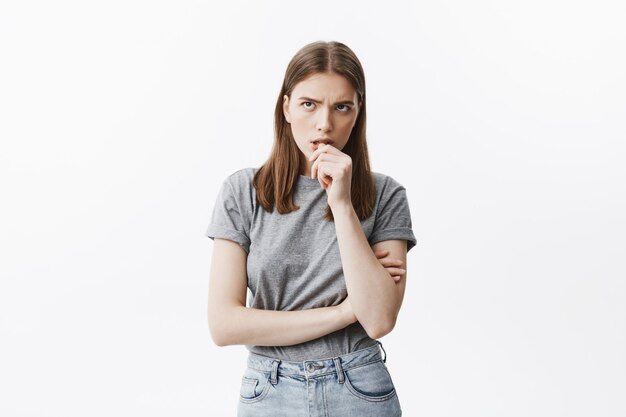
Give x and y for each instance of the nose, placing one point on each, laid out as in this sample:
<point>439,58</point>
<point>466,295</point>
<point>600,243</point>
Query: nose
<point>324,122</point>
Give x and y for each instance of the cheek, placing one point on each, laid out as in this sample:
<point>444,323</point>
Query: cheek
<point>349,124</point>
<point>299,121</point>
<point>299,128</point>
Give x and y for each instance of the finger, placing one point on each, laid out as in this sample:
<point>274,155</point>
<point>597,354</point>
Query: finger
<point>398,262</point>
<point>322,178</point>
<point>396,271</point>
<point>316,152</point>
<point>327,156</point>
<point>331,167</point>
<point>328,171</point>
<point>324,148</point>
<point>396,278</point>
<point>315,166</point>
<point>395,262</point>
<point>390,262</point>
<point>324,181</point>
<point>331,170</point>
<point>381,253</point>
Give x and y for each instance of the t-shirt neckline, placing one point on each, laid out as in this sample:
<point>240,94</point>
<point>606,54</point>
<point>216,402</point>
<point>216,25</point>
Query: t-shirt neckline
<point>308,182</point>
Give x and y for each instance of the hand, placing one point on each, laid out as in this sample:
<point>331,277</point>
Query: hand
<point>333,169</point>
<point>391,265</point>
<point>346,311</point>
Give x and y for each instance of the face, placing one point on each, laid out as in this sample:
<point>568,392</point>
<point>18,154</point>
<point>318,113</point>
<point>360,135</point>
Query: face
<point>322,106</point>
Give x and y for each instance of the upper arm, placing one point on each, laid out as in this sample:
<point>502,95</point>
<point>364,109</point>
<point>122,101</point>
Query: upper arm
<point>228,281</point>
<point>397,250</point>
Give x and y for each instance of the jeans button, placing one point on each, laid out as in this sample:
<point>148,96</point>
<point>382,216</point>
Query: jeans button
<point>310,367</point>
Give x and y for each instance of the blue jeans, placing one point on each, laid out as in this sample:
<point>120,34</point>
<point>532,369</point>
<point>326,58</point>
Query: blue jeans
<point>354,384</point>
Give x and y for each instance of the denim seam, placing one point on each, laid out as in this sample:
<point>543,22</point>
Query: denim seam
<point>259,397</point>
<point>366,397</point>
<point>359,365</point>
<point>266,372</point>
<point>324,397</point>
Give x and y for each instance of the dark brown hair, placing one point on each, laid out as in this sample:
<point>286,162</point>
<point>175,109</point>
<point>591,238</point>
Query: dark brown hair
<point>277,177</point>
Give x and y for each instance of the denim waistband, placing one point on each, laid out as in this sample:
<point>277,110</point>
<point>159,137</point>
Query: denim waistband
<point>316,367</point>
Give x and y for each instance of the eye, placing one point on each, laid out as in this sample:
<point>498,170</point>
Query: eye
<point>307,107</point>
<point>347,108</point>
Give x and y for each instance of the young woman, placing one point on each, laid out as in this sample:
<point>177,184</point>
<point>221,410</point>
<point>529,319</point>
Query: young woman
<point>320,241</point>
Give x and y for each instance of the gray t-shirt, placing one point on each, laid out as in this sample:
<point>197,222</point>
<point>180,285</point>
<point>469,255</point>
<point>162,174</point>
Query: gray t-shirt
<point>293,259</point>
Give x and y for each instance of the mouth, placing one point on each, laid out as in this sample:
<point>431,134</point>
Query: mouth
<point>316,143</point>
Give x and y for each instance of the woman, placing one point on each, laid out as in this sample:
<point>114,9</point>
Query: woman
<point>319,240</point>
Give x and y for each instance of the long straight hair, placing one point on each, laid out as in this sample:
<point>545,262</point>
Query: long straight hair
<point>276,178</point>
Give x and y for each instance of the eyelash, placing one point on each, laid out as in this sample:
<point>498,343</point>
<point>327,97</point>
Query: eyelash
<point>342,111</point>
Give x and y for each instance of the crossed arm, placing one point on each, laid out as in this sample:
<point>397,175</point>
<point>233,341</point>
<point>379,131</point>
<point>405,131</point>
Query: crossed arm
<point>232,323</point>
<point>375,299</point>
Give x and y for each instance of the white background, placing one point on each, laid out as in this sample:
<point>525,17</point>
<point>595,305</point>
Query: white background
<point>504,120</point>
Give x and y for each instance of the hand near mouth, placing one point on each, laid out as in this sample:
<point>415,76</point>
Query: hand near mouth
<point>333,169</point>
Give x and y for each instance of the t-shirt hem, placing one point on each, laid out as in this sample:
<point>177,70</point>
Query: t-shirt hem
<point>400,233</point>
<point>214,231</point>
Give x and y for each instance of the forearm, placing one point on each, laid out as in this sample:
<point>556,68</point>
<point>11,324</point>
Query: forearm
<point>371,290</point>
<point>251,326</point>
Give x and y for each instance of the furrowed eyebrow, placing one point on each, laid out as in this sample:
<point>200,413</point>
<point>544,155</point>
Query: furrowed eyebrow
<point>317,101</point>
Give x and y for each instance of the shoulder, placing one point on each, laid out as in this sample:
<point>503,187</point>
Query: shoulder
<point>390,193</point>
<point>386,183</point>
<point>237,186</point>
<point>240,181</point>
<point>243,175</point>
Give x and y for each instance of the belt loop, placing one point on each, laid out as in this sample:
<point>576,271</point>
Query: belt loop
<point>381,346</point>
<point>339,369</point>
<point>274,377</point>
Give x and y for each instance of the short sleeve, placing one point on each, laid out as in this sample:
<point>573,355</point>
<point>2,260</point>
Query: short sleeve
<point>228,218</point>
<point>393,217</point>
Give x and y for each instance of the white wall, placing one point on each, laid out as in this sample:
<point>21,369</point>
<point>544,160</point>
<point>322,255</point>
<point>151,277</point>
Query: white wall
<point>503,119</point>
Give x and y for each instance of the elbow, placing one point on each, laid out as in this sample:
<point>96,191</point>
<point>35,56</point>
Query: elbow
<point>220,342</point>
<point>380,328</point>
<point>221,333</point>
<point>378,332</point>
<point>217,335</point>
<point>219,339</point>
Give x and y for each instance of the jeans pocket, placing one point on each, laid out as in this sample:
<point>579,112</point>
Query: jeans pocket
<point>254,385</point>
<point>370,382</point>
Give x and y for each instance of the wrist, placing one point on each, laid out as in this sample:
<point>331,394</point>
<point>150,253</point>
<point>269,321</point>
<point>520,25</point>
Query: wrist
<point>342,317</point>
<point>346,316</point>
<point>341,209</point>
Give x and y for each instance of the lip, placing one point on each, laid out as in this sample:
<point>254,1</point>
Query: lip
<point>323,140</point>
<point>317,142</point>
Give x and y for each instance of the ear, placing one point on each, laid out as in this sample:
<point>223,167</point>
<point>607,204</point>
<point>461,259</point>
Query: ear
<point>286,108</point>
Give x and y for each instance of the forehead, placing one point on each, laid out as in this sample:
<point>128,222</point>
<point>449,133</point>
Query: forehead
<point>329,86</point>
